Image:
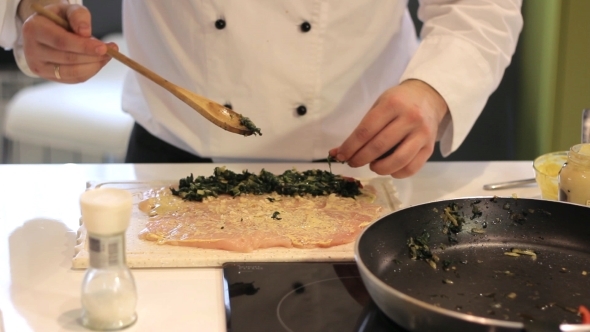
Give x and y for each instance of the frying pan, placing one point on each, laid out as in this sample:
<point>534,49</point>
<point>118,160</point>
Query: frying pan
<point>476,286</point>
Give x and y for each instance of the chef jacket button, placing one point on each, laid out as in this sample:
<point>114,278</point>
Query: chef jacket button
<point>220,24</point>
<point>301,110</point>
<point>228,106</point>
<point>305,26</point>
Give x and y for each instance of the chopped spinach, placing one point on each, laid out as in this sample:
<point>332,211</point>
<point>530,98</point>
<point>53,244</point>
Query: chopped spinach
<point>476,212</point>
<point>290,183</point>
<point>246,122</point>
<point>446,265</point>
<point>453,222</point>
<point>419,250</point>
<point>518,217</point>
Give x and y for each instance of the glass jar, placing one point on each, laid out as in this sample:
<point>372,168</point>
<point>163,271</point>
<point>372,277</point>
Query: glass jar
<point>574,178</point>
<point>547,168</point>
<point>109,295</point>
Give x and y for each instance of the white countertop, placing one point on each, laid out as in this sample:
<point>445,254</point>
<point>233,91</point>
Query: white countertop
<point>39,215</point>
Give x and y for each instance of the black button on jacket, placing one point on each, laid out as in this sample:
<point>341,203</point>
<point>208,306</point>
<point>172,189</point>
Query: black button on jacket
<point>305,26</point>
<point>220,24</point>
<point>301,110</point>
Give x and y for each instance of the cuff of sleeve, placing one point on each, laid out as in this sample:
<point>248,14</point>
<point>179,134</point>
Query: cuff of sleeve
<point>21,62</point>
<point>460,74</point>
<point>11,37</point>
<point>17,42</point>
<point>9,24</point>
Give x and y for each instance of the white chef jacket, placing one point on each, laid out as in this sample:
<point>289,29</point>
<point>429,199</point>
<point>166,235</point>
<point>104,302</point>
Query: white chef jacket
<point>259,57</point>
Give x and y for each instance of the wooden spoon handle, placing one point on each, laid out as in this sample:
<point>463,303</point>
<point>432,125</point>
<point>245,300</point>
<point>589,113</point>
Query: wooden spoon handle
<point>140,68</point>
<point>50,15</point>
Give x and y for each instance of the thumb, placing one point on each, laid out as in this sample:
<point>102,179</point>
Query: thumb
<point>79,18</point>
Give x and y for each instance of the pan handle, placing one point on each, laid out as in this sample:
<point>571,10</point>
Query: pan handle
<point>543,326</point>
<point>575,327</point>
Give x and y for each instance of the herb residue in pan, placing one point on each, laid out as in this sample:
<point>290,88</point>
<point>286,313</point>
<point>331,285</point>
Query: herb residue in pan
<point>419,249</point>
<point>453,222</point>
<point>522,292</point>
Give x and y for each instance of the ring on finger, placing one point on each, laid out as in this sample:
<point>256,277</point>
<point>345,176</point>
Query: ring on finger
<point>56,71</point>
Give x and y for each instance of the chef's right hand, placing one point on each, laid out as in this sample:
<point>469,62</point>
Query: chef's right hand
<point>59,55</point>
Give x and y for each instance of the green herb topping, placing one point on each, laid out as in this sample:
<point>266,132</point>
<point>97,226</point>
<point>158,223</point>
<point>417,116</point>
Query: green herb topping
<point>246,122</point>
<point>276,215</point>
<point>290,183</point>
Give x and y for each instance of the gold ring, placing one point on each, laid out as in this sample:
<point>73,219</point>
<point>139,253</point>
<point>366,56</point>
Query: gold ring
<point>56,72</point>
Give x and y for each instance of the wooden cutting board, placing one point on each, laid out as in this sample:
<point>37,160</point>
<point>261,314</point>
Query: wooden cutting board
<point>147,254</point>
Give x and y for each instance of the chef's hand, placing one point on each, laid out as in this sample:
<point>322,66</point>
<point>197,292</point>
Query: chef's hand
<point>59,55</point>
<point>406,117</point>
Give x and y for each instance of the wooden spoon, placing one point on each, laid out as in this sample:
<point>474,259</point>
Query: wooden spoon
<point>212,111</point>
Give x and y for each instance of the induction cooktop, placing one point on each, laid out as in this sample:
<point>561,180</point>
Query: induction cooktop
<point>300,296</point>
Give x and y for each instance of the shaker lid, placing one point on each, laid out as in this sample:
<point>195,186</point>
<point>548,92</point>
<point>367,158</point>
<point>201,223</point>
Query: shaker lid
<point>106,210</point>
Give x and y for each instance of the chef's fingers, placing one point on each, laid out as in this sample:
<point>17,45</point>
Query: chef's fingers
<point>41,30</point>
<point>373,122</point>
<point>52,55</point>
<point>414,166</point>
<point>420,132</point>
<point>80,20</point>
<point>405,154</point>
<point>407,117</point>
<point>65,73</point>
<point>410,112</point>
<point>54,36</point>
<point>67,67</point>
<point>393,133</point>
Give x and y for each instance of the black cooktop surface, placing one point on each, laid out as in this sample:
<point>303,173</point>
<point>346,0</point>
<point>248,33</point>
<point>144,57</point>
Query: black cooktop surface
<point>293,297</point>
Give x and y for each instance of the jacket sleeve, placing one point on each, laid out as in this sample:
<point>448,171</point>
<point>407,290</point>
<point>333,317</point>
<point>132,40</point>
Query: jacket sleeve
<point>9,24</point>
<point>466,46</point>
<point>10,32</point>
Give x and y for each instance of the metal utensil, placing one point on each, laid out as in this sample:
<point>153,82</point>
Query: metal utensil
<point>586,126</point>
<point>219,115</point>
<point>508,184</point>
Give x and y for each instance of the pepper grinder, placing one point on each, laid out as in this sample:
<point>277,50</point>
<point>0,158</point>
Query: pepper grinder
<point>109,296</point>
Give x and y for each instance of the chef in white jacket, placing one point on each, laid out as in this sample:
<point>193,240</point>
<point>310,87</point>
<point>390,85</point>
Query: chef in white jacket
<point>346,77</point>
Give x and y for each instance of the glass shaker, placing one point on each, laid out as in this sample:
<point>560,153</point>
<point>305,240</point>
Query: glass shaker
<point>109,296</point>
<point>574,178</point>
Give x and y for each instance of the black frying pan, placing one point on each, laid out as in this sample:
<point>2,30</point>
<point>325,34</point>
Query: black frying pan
<point>490,291</point>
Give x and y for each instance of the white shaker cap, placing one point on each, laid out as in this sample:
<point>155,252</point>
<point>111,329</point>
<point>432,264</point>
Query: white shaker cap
<point>106,210</point>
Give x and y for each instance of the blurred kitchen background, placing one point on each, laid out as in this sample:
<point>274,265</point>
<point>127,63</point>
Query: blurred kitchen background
<point>536,109</point>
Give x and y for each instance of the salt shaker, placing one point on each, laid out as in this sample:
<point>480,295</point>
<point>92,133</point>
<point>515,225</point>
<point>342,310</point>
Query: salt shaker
<point>574,178</point>
<point>109,296</point>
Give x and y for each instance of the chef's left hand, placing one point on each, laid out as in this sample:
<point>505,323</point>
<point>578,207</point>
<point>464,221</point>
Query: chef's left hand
<point>407,117</point>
